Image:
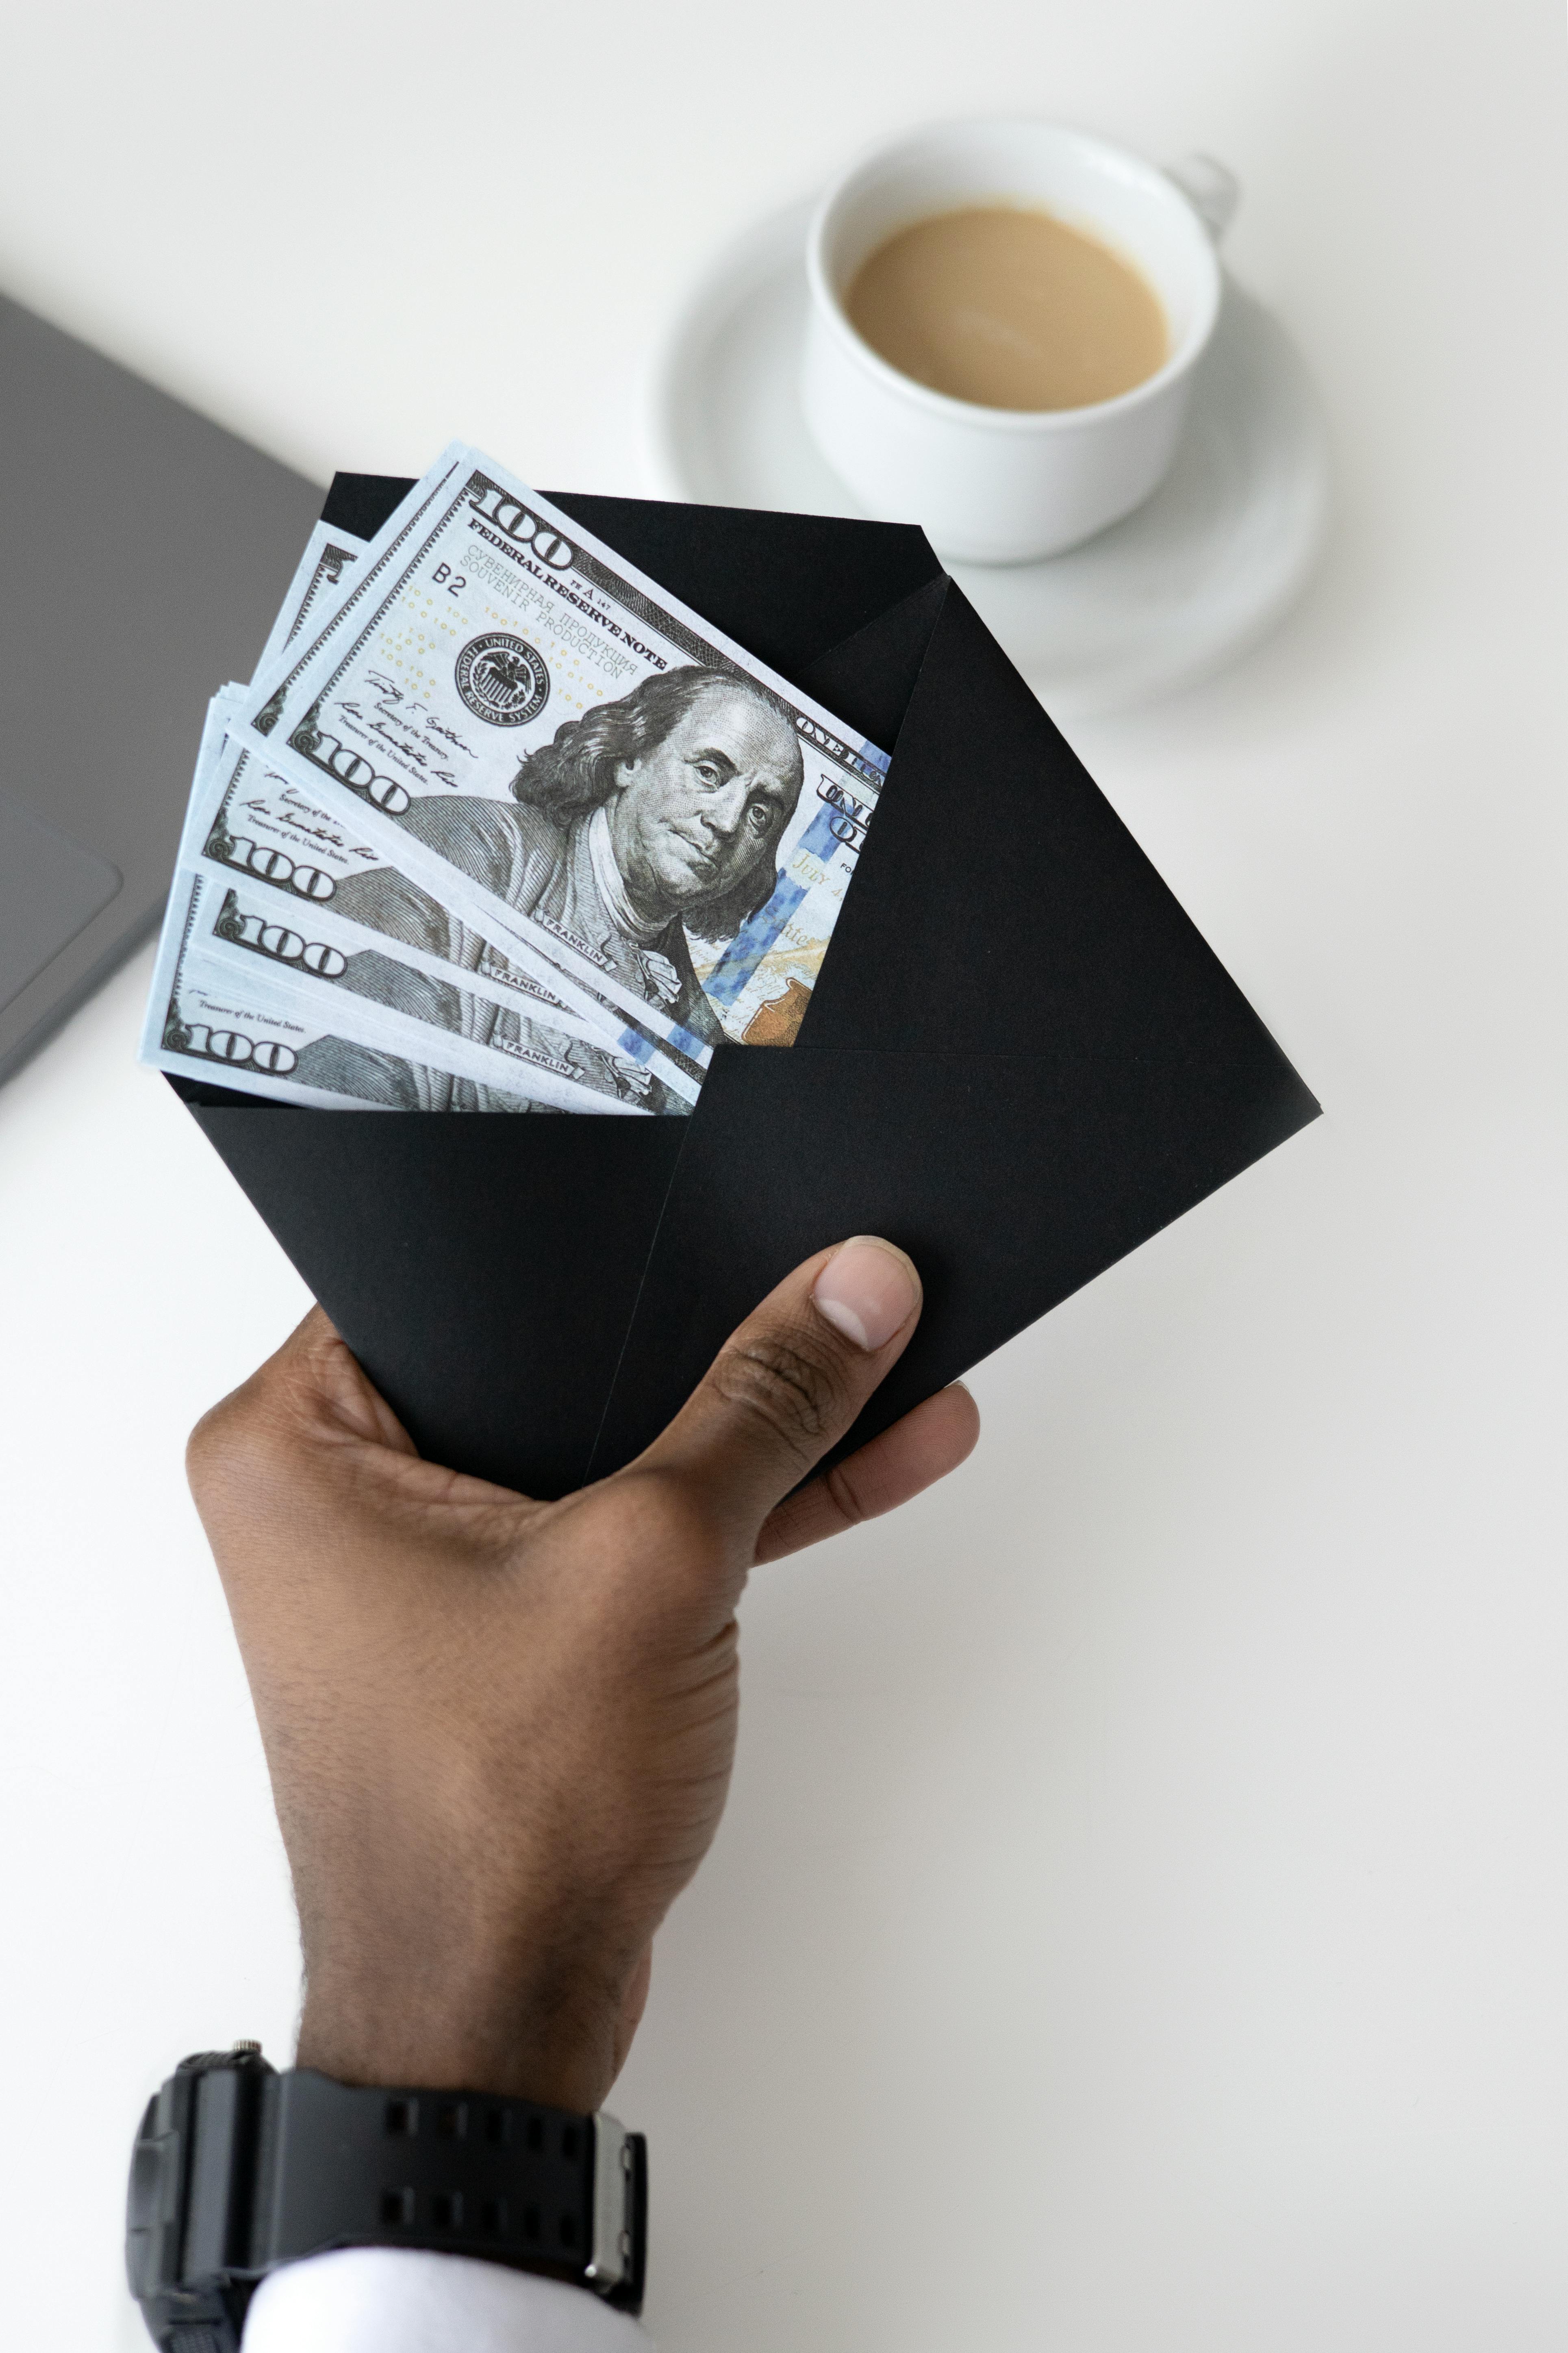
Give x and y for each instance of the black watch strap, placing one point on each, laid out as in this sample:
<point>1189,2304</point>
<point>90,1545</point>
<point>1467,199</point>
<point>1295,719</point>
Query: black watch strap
<point>238,2169</point>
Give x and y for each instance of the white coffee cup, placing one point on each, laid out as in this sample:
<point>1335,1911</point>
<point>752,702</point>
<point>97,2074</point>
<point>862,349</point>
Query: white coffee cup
<point>1001,485</point>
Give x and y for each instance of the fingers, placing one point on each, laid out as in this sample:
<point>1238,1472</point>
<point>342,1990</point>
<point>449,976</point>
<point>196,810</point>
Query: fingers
<point>928,1444</point>
<point>787,1385</point>
<point>323,1382</point>
<point>274,1453</point>
<point>310,1392</point>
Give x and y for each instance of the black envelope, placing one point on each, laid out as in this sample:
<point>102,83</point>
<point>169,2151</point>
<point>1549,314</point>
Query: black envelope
<point>1020,1062</point>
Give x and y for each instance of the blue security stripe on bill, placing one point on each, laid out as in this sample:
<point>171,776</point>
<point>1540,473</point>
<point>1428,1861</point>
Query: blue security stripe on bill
<point>828,832</point>
<point>751,942</point>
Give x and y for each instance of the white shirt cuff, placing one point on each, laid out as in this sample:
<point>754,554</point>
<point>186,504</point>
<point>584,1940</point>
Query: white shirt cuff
<point>404,2300</point>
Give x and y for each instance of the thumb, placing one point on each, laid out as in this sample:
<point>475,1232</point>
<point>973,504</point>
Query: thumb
<point>787,1385</point>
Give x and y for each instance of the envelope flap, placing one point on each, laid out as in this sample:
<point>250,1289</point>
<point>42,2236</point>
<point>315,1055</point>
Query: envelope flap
<point>1011,1179</point>
<point>999,902</point>
<point>868,678</point>
<point>1021,1059</point>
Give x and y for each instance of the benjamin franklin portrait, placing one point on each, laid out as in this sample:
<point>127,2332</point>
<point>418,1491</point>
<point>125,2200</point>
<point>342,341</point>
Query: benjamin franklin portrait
<point>647,816</point>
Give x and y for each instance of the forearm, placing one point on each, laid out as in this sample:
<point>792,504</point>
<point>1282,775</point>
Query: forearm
<point>499,1734</point>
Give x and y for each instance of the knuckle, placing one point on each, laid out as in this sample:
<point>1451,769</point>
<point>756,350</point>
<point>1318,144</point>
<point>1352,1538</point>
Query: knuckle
<point>652,1517</point>
<point>778,1381</point>
<point>236,1440</point>
<point>211,1445</point>
<point>845,1497</point>
<point>674,1529</point>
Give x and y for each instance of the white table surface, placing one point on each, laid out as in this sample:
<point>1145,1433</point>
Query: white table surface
<point>1140,1925</point>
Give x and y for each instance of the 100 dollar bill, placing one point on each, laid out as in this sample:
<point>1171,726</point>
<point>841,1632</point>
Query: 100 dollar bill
<point>495,679</point>
<point>319,580</point>
<point>239,985</point>
<point>239,1002</point>
<point>249,821</point>
<point>396,997</point>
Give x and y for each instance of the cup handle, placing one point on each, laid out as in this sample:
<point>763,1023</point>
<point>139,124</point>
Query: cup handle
<point>1212,191</point>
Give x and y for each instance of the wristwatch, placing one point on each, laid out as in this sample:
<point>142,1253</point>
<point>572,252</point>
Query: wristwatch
<point>238,2169</point>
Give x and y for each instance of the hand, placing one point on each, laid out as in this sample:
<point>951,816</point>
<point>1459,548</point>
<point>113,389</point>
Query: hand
<point>499,1732</point>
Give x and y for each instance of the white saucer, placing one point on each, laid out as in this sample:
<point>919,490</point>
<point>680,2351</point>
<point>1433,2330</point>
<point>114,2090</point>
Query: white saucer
<point>1171,595</point>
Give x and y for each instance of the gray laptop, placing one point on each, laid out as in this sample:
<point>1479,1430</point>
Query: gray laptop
<point>144,553</point>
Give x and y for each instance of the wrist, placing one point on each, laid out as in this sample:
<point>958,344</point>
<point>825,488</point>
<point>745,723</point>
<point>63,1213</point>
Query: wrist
<point>400,2026</point>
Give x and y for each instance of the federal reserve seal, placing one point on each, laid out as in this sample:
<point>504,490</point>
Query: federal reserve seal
<point>502,679</point>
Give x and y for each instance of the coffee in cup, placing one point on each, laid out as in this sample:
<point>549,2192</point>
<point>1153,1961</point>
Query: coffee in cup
<point>1010,308</point>
<point>925,382</point>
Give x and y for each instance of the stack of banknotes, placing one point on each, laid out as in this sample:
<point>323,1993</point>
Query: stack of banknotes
<point>499,824</point>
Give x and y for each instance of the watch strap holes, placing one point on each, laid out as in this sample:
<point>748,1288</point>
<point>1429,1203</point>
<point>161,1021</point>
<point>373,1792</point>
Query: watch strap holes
<point>447,2209</point>
<point>397,2209</point>
<point>401,2119</point>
